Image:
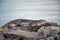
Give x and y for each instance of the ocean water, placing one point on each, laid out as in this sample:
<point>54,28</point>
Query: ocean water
<point>29,9</point>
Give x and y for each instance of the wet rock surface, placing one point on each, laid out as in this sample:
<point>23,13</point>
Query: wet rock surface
<point>25,25</point>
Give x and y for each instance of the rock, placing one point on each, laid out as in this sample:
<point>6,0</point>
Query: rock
<point>26,25</point>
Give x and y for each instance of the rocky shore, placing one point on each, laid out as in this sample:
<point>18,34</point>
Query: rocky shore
<point>22,29</point>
